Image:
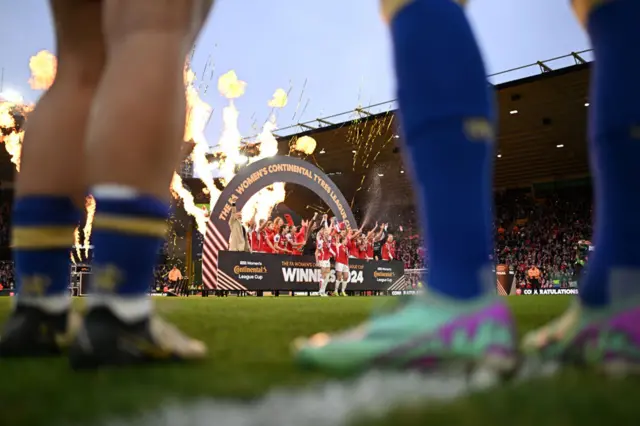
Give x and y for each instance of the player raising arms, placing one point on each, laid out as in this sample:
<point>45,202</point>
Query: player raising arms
<point>299,238</point>
<point>280,241</point>
<point>117,108</point>
<point>447,116</point>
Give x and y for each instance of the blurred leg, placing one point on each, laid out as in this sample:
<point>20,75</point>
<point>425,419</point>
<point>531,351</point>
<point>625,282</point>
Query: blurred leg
<point>446,114</point>
<point>603,329</point>
<point>135,133</point>
<point>614,139</point>
<point>52,175</point>
<point>52,180</point>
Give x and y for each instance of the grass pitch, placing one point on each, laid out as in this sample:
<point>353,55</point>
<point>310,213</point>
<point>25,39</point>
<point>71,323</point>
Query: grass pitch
<point>249,342</point>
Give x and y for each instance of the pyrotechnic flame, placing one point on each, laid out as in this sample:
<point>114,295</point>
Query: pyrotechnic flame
<point>230,86</point>
<point>90,206</point>
<point>6,118</point>
<point>230,142</point>
<point>188,202</point>
<point>11,96</point>
<point>198,113</point>
<point>229,147</point>
<point>76,243</point>
<point>279,99</point>
<point>268,142</point>
<point>11,133</point>
<point>263,202</point>
<point>43,70</point>
<point>306,144</point>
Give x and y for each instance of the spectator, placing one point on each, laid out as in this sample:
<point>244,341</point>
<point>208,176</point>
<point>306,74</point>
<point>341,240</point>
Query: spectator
<point>238,240</point>
<point>175,281</point>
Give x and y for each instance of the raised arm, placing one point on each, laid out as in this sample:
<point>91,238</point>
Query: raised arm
<point>232,217</point>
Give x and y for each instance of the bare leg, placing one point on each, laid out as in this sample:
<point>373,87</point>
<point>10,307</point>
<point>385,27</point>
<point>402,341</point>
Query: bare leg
<point>51,183</point>
<point>53,149</point>
<point>135,133</point>
<point>143,92</point>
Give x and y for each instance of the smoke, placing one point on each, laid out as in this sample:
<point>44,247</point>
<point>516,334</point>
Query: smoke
<point>376,207</point>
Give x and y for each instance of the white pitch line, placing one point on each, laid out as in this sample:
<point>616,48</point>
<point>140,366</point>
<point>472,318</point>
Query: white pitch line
<point>331,404</point>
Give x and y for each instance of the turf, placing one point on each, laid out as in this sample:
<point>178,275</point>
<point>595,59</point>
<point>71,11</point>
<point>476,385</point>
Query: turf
<point>249,340</point>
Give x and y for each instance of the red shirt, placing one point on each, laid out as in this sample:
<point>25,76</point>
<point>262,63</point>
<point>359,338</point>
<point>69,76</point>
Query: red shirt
<point>389,251</point>
<point>254,240</point>
<point>264,246</point>
<point>288,243</point>
<point>369,250</point>
<point>353,248</point>
<point>279,242</point>
<point>342,254</point>
<point>325,250</point>
<point>299,239</point>
<point>362,252</point>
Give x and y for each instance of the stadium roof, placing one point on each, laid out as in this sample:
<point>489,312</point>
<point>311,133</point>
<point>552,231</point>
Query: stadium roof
<point>542,136</point>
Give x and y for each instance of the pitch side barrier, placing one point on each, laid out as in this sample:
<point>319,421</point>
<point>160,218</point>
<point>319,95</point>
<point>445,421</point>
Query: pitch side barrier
<point>415,280</point>
<point>242,273</point>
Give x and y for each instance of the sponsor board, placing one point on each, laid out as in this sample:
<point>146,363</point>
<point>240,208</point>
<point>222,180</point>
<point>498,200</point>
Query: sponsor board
<point>8,292</point>
<point>263,272</point>
<point>528,291</point>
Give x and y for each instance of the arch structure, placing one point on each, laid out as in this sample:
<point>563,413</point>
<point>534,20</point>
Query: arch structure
<point>247,183</point>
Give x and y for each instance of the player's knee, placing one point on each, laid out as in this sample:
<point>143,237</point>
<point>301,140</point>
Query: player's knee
<point>80,71</point>
<point>167,21</point>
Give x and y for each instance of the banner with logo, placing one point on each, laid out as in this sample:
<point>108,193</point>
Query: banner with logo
<point>241,271</point>
<point>505,280</point>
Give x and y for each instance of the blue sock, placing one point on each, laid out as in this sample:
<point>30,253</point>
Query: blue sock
<point>42,237</point>
<point>447,113</point>
<point>128,232</point>
<point>614,138</point>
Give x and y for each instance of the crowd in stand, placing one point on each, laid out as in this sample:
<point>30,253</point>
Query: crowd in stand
<point>6,275</point>
<point>411,250</point>
<point>5,224</point>
<point>551,233</point>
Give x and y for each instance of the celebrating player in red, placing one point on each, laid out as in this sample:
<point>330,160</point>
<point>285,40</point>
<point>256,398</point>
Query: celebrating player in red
<point>342,265</point>
<point>323,259</point>
<point>389,249</point>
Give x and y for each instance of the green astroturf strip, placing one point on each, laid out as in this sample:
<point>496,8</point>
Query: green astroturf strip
<point>249,342</point>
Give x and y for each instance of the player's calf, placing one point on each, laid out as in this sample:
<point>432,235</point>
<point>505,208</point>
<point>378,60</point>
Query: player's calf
<point>134,144</point>
<point>44,214</point>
